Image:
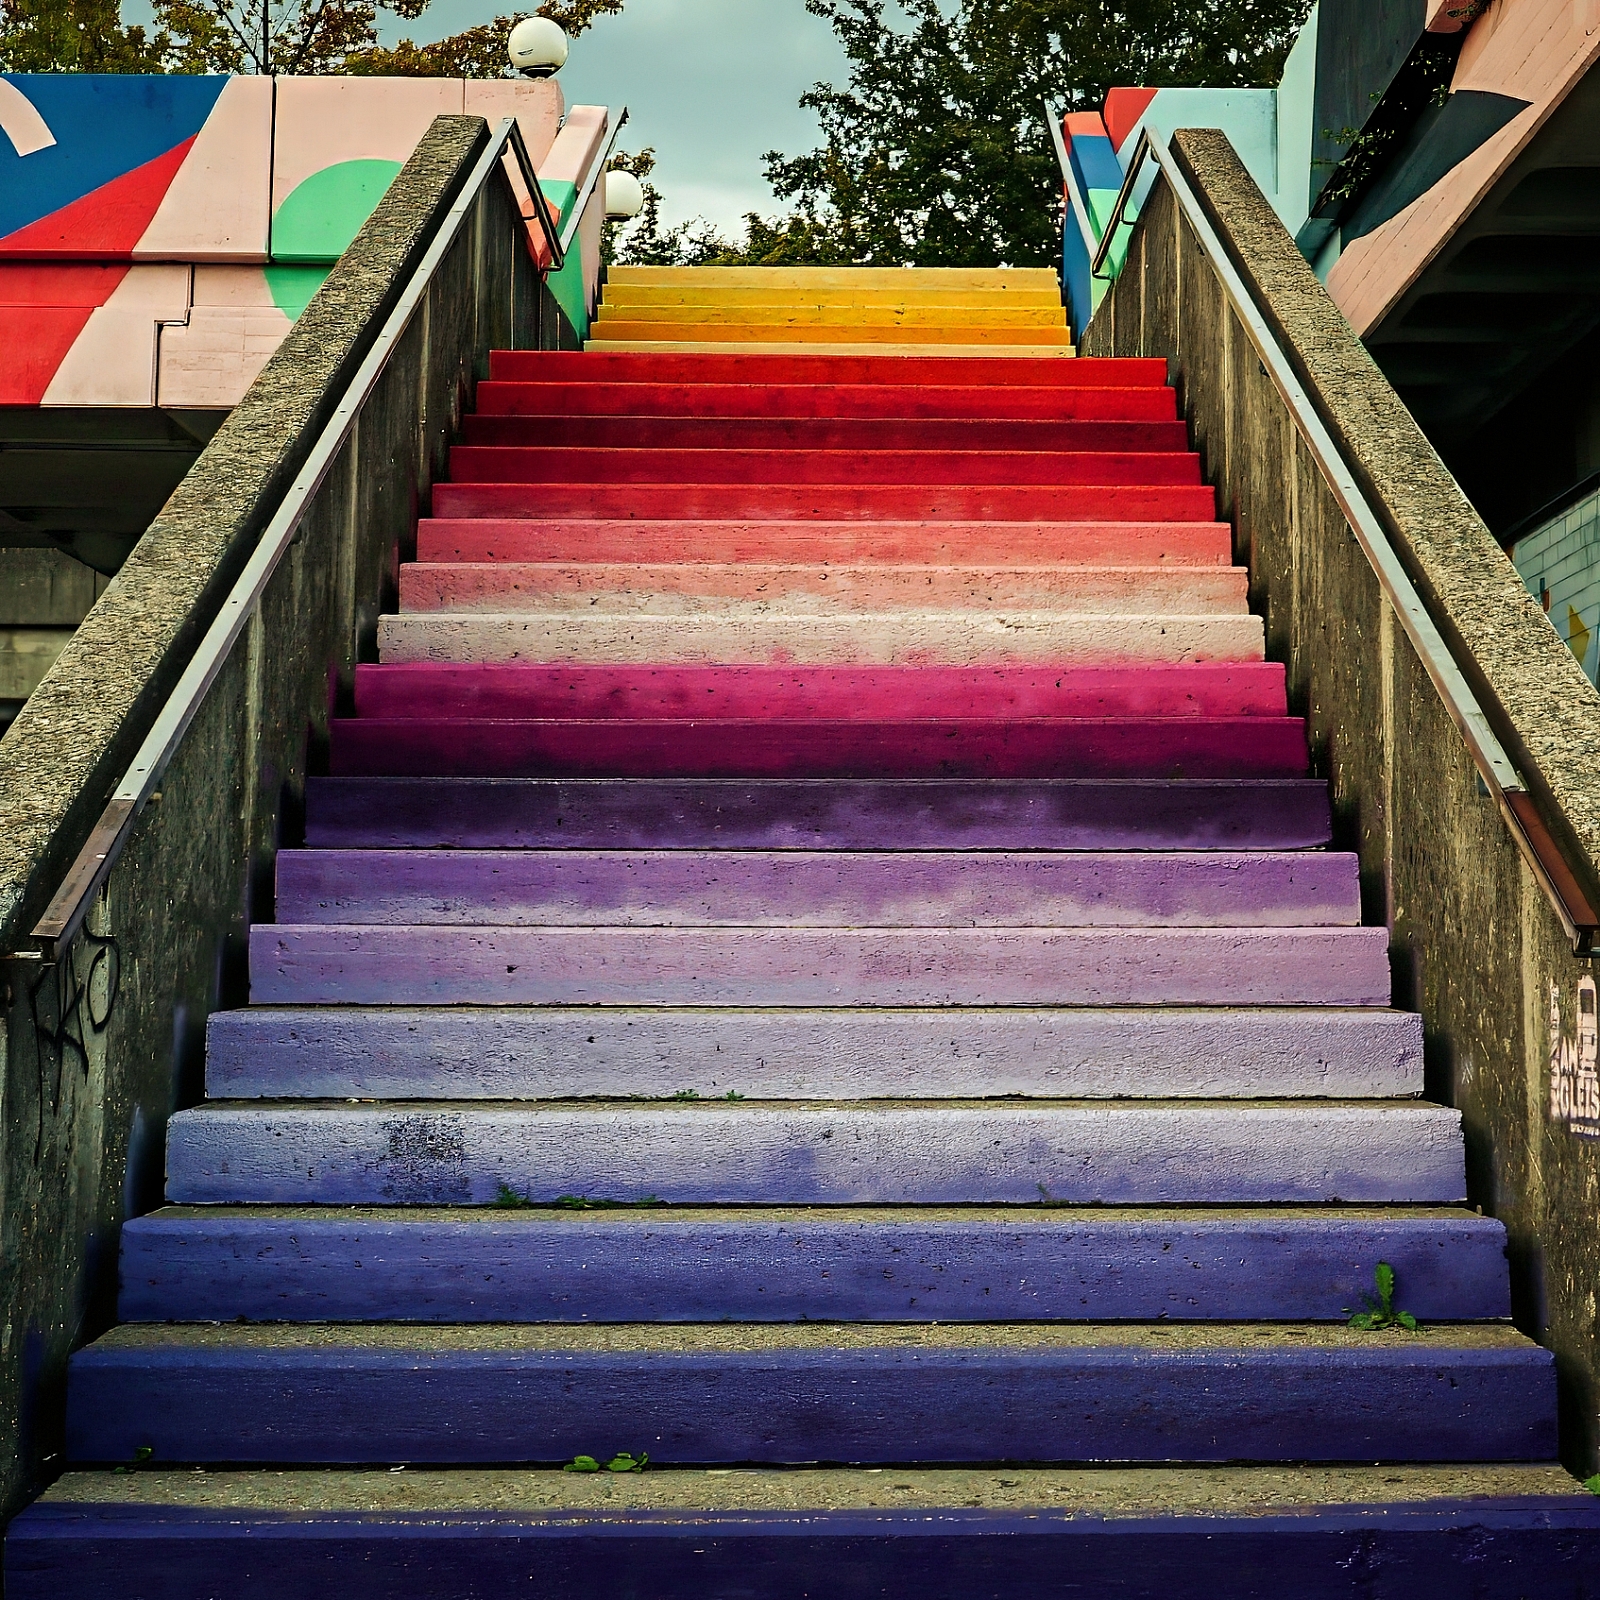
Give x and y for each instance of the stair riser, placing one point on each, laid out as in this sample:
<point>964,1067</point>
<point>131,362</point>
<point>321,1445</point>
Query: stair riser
<point>1423,1553</point>
<point>527,1267</point>
<point>479,464</point>
<point>1027,400</point>
<point>909,500</point>
<point>711,814</point>
<point>1090,544</point>
<point>834,338</point>
<point>1398,1402</point>
<point>786,889</point>
<point>674,431</point>
<point>840,694</point>
<point>545,367</point>
<point>483,1053</point>
<point>805,1155</point>
<point>943,638</point>
<point>310,965</point>
<point>1244,747</point>
<point>958,320</point>
<point>696,587</point>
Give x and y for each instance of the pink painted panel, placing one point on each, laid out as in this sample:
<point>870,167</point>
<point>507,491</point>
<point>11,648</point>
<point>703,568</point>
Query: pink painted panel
<point>233,328</point>
<point>113,361</point>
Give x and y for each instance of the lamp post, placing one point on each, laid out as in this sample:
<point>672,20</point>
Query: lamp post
<point>624,196</point>
<point>537,47</point>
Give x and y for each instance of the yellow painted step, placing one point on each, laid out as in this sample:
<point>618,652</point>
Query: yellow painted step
<point>768,347</point>
<point>837,277</point>
<point>745,333</point>
<point>640,294</point>
<point>841,316</point>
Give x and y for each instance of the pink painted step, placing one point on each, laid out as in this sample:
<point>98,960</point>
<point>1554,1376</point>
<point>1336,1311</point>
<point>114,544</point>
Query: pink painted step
<point>668,430</point>
<point>874,502</point>
<point>578,397</point>
<point>836,694</point>
<point>1157,747</point>
<point>539,366</point>
<point>1091,544</point>
<point>499,464</point>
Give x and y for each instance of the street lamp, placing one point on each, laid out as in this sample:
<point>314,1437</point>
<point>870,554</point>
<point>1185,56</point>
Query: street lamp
<point>624,196</point>
<point>537,47</point>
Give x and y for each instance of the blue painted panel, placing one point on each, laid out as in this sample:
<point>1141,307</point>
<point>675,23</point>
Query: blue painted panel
<point>1095,163</point>
<point>105,125</point>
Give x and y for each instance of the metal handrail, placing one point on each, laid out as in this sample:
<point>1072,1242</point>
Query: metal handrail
<point>1097,258</point>
<point>1052,117</point>
<point>1500,777</point>
<point>511,131</point>
<point>61,921</point>
<point>596,172</point>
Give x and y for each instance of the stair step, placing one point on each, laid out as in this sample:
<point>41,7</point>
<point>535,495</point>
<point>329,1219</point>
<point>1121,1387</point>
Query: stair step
<point>650,888</point>
<point>1500,1532</point>
<point>1123,747</point>
<point>949,319</point>
<point>764,587</point>
<point>762,1393</point>
<point>638,431</point>
<point>859,1153</point>
<point>939,638</point>
<point>759,369</point>
<point>863,694</point>
<point>913,293</point>
<point>817,814</point>
<point>1049,396</point>
<point>308,964</point>
<point>807,280</point>
<point>906,501</point>
<point>1190,544</point>
<point>226,1264</point>
<point>517,1053</point>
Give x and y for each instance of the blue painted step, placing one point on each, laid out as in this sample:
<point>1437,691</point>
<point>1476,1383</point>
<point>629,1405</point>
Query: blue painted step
<point>1491,1533</point>
<point>796,1393</point>
<point>218,1265</point>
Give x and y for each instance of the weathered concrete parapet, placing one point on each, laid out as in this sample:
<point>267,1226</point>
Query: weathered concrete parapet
<point>1508,1012</point>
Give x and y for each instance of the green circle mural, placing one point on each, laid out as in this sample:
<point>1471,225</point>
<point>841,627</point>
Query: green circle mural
<point>315,224</point>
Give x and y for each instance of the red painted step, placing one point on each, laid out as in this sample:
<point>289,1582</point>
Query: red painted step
<point>543,366</point>
<point>895,502</point>
<point>533,464</point>
<point>1052,402</point>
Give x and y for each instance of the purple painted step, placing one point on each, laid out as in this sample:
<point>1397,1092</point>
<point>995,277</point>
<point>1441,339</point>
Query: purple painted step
<point>414,689</point>
<point>1158,747</point>
<point>863,1153</point>
<point>554,1052</point>
<point>799,1393</point>
<point>222,1265</point>
<point>314,964</point>
<point>517,1536</point>
<point>786,888</point>
<point>710,814</point>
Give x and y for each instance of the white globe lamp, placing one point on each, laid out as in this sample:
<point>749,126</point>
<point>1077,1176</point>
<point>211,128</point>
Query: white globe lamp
<point>624,196</point>
<point>537,47</point>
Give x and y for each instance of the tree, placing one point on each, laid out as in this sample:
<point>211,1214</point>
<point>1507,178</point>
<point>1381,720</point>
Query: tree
<point>74,36</point>
<point>476,52</point>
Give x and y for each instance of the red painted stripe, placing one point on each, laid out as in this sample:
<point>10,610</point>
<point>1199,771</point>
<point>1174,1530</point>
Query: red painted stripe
<point>1179,747</point>
<point>829,399</point>
<point>1097,544</point>
<point>838,694</point>
<point>538,366</point>
<point>799,502</point>
<point>511,464</point>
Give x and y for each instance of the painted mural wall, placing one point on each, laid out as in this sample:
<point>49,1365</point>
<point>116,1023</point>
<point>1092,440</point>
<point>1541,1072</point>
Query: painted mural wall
<point>159,235</point>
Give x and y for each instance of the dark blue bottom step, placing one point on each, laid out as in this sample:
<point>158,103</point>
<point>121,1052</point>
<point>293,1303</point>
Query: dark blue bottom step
<point>1489,1533</point>
<point>800,1393</point>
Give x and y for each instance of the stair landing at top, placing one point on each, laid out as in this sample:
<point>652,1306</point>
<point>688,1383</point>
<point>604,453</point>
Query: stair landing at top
<point>966,311</point>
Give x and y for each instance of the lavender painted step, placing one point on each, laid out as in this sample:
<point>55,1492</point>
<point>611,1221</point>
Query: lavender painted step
<point>1157,747</point>
<point>1503,1532</point>
<point>817,814</point>
<point>786,888</point>
<point>221,1264</point>
<point>732,1393</point>
<point>320,964</point>
<point>865,1153</point>
<point>548,1053</point>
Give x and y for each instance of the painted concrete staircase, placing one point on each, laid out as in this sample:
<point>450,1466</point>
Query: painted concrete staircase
<point>818,959</point>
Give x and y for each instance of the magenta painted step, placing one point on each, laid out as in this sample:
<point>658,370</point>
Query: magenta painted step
<point>788,502</point>
<point>1171,747</point>
<point>816,814</point>
<point>666,431</point>
<point>534,464</point>
<point>829,401</point>
<point>836,694</point>
<point>545,538</point>
<point>646,888</point>
<point>354,965</point>
<point>982,373</point>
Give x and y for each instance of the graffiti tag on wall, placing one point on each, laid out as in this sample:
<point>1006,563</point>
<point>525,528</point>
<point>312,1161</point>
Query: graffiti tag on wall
<point>1574,1080</point>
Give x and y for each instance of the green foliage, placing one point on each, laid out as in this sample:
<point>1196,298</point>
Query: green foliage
<point>75,36</point>
<point>733,1094</point>
<point>507,1199</point>
<point>621,1462</point>
<point>475,52</point>
<point>140,1457</point>
<point>685,1094</point>
<point>1592,1484</point>
<point>1381,1313</point>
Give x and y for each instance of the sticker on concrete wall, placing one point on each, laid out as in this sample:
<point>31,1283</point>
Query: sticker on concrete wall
<point>1574,1081</point>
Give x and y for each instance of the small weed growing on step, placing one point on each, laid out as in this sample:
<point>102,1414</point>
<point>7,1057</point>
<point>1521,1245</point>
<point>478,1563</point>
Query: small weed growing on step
<point>1381,1313</point>
<point>584,1202</point>
<point>621,1462</point>
<point>686,1094</point>
<point>140,1456</point>
<point>1592,1484</point>
<point>733,1094</point>
<point>507,1199</point>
